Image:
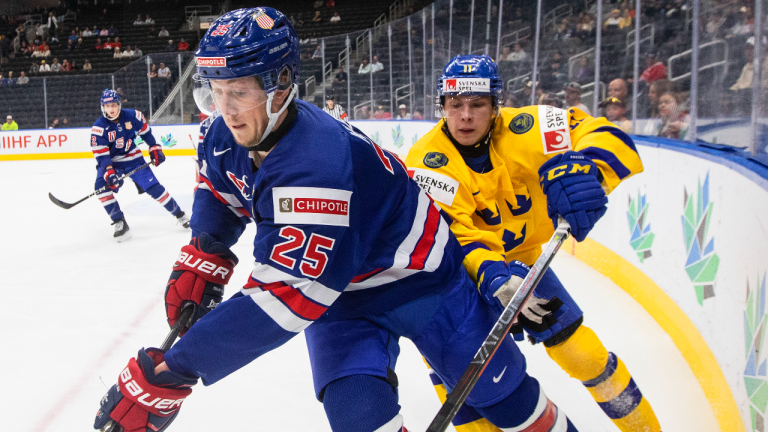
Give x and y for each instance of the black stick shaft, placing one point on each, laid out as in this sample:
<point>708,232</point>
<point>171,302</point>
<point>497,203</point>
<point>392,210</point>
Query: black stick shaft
<point>500,330</point>
<point>68,206</point>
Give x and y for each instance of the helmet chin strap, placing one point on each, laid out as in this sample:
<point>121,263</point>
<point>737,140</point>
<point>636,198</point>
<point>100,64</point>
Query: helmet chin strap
<point>119,108</point>
<point>274,116</point>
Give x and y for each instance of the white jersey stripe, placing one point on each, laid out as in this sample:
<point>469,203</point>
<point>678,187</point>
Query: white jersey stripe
<point>394,425</point>
<point>278,311</point>
<point>318,292</point>
<point>267,274</point>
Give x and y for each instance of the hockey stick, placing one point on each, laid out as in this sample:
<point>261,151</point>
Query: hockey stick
<point>500,330</point>
<point>186,314</point>
<point>68,206</point>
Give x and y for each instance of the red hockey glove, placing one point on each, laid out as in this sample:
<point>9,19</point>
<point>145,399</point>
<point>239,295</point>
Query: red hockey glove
<point>156,155</point>
<point>198,278</point>
<point>143,401</point>
<point>111,178</point>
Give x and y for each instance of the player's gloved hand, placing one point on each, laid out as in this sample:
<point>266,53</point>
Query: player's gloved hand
<point>502,284</point>
<point>143,401</point>
<point>571,182</point>
<point>110,176</point>
<point>156,155</point>
<point>198,278</point>
<point>537,314</point>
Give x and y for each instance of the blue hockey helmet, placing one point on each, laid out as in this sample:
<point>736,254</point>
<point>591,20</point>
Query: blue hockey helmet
<point>110,96</point>
<point>471,75</point>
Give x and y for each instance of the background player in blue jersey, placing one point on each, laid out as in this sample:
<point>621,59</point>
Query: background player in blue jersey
<point>348,249</point>
<point>113,144</point>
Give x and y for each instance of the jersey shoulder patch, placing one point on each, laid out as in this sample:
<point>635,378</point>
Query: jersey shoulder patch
<point>521,123</point>
<point>554,129</point>
<point>311,206</point>
<point>96,130</point>
<point>435,160</point>
<point>439,187</point>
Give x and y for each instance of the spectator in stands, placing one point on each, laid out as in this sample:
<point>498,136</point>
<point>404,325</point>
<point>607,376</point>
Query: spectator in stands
<point>117,43</point>
<point>674,121</point>
<point>619,88</point>
<point>655,90</point>
<point>335,18</point>
<point>615,112</point>
<point>404,114</point>
<point>317,17</point>
<point>73,36</point>
<point>87,32</point>
<point>117,53</point>
<point>573,97</point>
<point>505,53</point>
<point>365,113</point>
<point>27,49</point>
<point>87,66</point>
<point>79,43</point>
<point>376,65</point>
<point>128,52</point>
<point>163,32</point>
<point>519,55</point>
<point>152,32</point>
<point>417,115</point>
<point>341,76</point>
<point>66,66</point>
<point>64,122</point>
<point>183,45</point>
<point>56,124</point>
<point>554,71</point>
<point>563,33</point>
<point>139,21</point>
<point>318,4</point>
<point>365,67</point>
<point>745,24</point>
<point>112,30</point>
<point>299,20</point>
<point>550,99</point>
<point>585,73</point>
<point>626,19</point>
<point>137,52</point>
<point>153,71</point>
<point>43,50</point>
<point>2,80</point>
<point>34,68</point>
<point>164,71</point>
<point>380,114</point>
<point>9,124</point>
<point>613,22</point>
<point>53,26</point>
<point>584,28</point>
<point>654,69</point>
<point>109,44</point>
<point>318,53</point>
<point>104,31</point>
<point>55,66</point>
<point>330,3</point>
<point>123,97</point>
<point>71,45</point>
<point>149,20</point>
<point>39,33</point>
<point>99,45</point>
<point>170,47</point>
<point>22,79</point>
<point>714,26</point>
<point>741,90</point>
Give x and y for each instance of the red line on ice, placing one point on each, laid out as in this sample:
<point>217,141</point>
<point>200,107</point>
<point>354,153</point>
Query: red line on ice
<point>76,388</point>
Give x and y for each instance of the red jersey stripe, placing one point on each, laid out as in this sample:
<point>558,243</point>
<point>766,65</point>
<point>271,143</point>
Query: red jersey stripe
<point>421,251</point>
<point>362,277</point>
<point>299,304</point>
<point>218,196</point>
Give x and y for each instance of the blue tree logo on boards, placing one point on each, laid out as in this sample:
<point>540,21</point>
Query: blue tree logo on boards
<point>168,140</point>
<point>755,380</point>
<point>397,136</point>
<point>702,262</point>
<point>641,238</point>
<point>375,137</point>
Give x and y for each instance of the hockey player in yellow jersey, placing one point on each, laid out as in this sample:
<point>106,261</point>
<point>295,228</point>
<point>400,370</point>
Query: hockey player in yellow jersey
<point>504,175</point>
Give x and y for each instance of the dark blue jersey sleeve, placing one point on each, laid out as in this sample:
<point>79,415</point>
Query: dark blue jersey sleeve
<point>100,145</point>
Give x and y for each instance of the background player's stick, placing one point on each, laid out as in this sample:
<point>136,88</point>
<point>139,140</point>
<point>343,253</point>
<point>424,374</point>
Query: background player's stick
<point>500,330</point>
<point>186,314</point>
<point>68,206</point>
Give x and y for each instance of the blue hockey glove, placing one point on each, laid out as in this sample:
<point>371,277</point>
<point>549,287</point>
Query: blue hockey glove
<point>500,283</point>
<point>110,176</point>
<point>571,182</point>
<point>143,401</point>
<point>156,155</point>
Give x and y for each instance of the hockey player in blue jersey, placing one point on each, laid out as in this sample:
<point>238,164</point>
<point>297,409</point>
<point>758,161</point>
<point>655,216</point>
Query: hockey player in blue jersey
<point>348,249</point>
<point>113,143</point>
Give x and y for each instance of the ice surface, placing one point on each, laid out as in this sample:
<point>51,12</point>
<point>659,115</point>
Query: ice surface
<point>78,305</point>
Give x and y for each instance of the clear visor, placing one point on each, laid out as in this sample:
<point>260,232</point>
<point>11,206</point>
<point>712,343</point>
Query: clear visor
<point>467,106</point>
<point>229,97</point>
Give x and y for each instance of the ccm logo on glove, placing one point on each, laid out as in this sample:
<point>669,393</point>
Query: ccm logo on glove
<point>134,389</point>
<point>563,169</point>
<point>207,267</point>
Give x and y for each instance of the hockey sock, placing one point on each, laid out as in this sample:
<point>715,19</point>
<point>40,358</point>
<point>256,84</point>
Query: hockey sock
<point>111,206</point>
<point>527,409</point>
<point>585,358</point>
<point>158,192</point>
<point>362,403</point>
